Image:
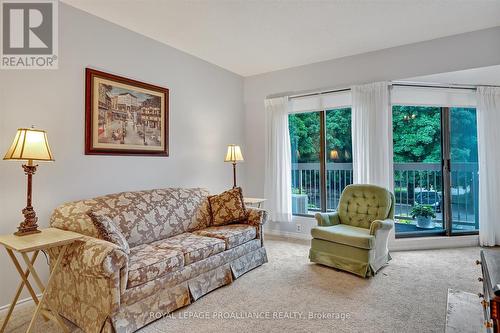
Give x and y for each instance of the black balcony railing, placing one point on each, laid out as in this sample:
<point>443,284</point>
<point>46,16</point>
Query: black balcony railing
<point>413,183</point>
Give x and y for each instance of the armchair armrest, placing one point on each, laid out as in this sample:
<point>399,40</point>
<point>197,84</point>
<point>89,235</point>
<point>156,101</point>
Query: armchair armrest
<point>385,225</point>
<point>327,219</point>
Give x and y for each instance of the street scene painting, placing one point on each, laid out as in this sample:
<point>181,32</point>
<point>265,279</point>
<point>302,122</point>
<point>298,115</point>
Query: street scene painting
<point>125,116</point>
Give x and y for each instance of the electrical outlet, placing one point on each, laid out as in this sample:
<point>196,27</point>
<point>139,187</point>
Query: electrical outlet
<point>299,227</point>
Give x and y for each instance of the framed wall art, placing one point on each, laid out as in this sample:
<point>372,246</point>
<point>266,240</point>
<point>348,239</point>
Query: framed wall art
<point>124,116</point>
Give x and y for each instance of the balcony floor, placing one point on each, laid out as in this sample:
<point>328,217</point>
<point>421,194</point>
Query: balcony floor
<point>405,228</point>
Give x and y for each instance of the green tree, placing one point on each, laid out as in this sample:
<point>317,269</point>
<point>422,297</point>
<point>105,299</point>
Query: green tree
<point>416,134</point>
<point>338,135</point>
<point>305,135</point>
<point>463,123</point>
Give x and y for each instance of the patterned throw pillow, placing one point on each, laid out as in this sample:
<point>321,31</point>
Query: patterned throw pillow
<point>108,231</point>
<point>227,207</point>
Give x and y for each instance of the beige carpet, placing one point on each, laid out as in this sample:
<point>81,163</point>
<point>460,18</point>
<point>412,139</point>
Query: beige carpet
<point>409,295</point>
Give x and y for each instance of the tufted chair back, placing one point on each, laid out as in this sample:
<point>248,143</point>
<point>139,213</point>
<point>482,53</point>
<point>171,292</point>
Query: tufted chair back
<point>361,204</point>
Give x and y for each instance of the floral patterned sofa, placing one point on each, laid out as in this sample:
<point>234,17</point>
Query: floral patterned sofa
<point>176,257</point>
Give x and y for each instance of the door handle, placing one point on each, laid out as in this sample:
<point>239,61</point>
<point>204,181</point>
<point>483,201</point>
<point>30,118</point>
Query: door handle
<point>447,164</point>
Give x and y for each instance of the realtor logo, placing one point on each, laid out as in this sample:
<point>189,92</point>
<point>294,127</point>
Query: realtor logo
<point>29,34</point>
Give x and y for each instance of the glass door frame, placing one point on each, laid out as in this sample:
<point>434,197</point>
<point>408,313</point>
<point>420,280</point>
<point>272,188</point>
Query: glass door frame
<point>322,160</point>
<point>446,167</point>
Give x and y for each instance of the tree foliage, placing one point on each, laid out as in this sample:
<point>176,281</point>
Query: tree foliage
<point>305,136</point>
<point>338,135</point>
<point>416,135</point>
<point>463,125</point>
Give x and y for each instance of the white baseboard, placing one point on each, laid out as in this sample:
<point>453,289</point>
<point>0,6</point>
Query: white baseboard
<point>19,302</point>
<point>400,244</point>
<point>431,243</point>
<point>287,234</point>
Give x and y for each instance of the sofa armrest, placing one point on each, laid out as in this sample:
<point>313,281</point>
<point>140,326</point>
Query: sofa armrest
<point>95,257</point>
<point>256,216</point>
<point>90,280</point>
<point>327,219</point>
<point>383,225</point>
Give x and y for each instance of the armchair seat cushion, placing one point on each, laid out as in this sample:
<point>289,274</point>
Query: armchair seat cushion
<point>345,234</point>
<point>148,262</point>
<point>193,247</point>
<point>233,234</point>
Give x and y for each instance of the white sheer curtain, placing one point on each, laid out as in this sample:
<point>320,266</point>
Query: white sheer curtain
<point>372,135</point>
<point>488,133</point>
<point>278,191</point>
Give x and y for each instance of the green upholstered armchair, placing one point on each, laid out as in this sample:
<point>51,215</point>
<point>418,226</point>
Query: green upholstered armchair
<point>355,237</point>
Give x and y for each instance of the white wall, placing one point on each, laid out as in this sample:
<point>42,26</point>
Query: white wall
<point>470,50</point>
<point>206,113</point>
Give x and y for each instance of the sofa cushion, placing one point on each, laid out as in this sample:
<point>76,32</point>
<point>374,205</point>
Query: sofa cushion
<point>193,247</point>
<point>148,262</point>
<point>147,216</point>
<point>345,234</point>
<point>227,207</point>
<point>233,234</point>
<point>108,231</point>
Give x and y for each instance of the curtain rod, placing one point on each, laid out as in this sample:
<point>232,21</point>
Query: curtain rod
<point>392,83</point>
<point>319,93</point>
<point>433,85</point>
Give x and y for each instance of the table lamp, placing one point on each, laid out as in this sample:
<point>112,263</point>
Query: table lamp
<point>29,145</point>
<point>234,156</point>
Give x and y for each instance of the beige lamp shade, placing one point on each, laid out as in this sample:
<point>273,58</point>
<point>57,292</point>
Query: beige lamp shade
<point>30,144</point>
<point>233,154</point>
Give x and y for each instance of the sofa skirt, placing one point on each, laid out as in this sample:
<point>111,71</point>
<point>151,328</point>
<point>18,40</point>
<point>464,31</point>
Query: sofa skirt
<point>134,316</point>
<point>248,262</point>
<point>137,311</point>
<point>208,281</point>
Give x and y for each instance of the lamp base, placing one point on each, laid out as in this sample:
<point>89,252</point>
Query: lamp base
<point>26,232</point>
<point>29,225</point>
<point>234,175</point>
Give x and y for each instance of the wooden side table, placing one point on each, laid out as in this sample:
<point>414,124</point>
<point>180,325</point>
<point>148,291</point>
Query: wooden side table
<point>35,243</point>
<point>253,201</point>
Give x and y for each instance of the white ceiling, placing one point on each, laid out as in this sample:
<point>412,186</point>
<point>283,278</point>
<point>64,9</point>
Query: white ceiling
<point>250,36</point>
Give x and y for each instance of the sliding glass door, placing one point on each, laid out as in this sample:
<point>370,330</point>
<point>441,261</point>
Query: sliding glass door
<point>464,180</point>
<point>418,177</point>
<point>435,170</point>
